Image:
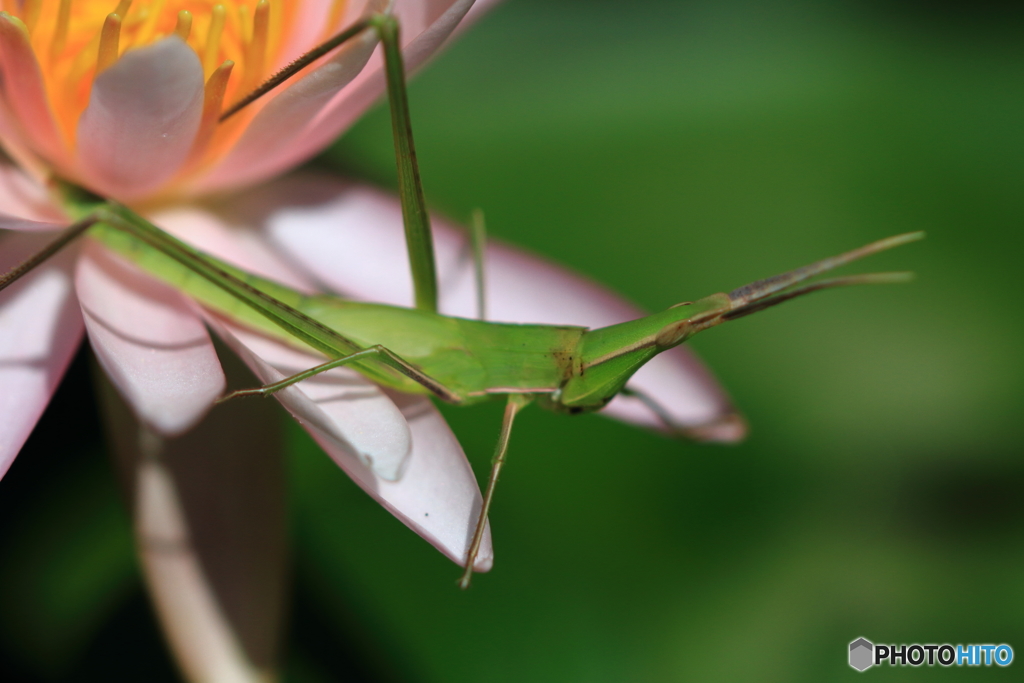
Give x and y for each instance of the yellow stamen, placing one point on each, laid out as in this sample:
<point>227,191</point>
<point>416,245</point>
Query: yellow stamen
<point>110,38</point>
<point>148,28</point>
<point>213,93</point>
<point>257,52</point>
<point>243,25</point>
<point>276,26</point>
<point>212,47</point>
<point>30,14</point>
<point>122,8</point>
<point>213,102</point>
<point>60,34</point>
<point>184,26</point>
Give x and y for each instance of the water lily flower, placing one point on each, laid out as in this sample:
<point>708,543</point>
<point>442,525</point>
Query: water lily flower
<point>125,103</point>
<point>123,99</point>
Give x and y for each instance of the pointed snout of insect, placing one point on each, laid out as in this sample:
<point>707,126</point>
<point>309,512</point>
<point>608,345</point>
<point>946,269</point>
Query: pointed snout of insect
<point>771,291</point>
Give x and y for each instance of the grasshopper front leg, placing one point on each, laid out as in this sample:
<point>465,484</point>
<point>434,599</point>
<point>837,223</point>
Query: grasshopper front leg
<point>377,352</point>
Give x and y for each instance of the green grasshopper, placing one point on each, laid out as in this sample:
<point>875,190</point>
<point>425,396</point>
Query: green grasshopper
<point>565,369</point>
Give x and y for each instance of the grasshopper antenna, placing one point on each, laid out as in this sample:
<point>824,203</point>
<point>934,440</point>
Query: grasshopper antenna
<point>771,291</point>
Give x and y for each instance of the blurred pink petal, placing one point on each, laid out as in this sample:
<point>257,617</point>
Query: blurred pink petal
<point>41,326</point>
<point>143,114</point>
<point>308,28</point>
<point>23,225</point>
<point>197,630</point>
<point>24,90</point>
<point>351,239</point>
<point>234,244</point>
<point>149,341</point>
<point>24,198</point>
<point>405,457</point>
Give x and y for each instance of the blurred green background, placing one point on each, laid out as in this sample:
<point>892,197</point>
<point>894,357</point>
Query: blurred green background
<point>668,149</point>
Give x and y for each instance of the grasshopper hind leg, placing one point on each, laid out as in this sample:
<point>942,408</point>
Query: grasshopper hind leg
<point>516,402</point>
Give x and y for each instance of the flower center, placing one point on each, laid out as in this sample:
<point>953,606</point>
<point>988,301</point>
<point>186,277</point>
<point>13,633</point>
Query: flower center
<point>76,39</point>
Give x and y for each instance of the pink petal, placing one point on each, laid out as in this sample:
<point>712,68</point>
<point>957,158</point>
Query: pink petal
<point>351,239</point>
<point>143,114</point>
<point>22,225</point>
<point>373,441</point>
<point>149,341</point>
<point>24,89</point>
<point>20,150</point>
<point>40,327</point>
<point>234,244</point>
<point>273,131</point>
<point>425,24</point>
<point>26,199</point>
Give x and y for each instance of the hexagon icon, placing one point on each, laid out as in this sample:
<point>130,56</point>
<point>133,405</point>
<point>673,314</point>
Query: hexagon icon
<point>861,654</point>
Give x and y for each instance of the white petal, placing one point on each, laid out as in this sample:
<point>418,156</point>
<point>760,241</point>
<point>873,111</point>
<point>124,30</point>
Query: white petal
<point>405,457</point>
<point>149,341</point>
<point>339,405</point>
<point>40,327</point>
<point>143,113</point>
<point>351,239</point>
<point>439,491</point>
